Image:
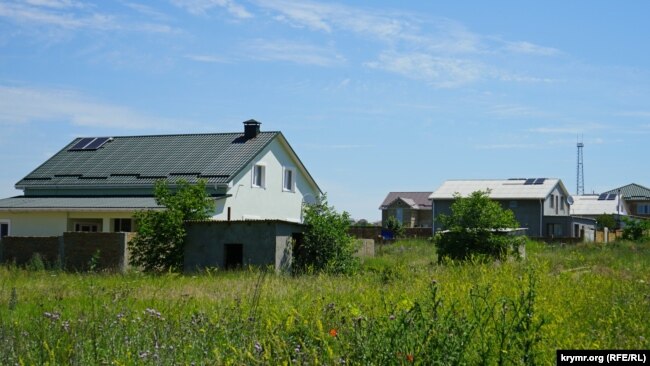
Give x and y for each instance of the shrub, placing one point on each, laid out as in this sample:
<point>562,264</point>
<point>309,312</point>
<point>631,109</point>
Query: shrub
<point>395,227</point>
<point>158,245</point>
<point>327,246</point>
<point>606,221</point>
<point>473,229</point>
<point>635,229</point>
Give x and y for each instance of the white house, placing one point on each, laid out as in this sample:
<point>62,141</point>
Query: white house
<point>96,183</point>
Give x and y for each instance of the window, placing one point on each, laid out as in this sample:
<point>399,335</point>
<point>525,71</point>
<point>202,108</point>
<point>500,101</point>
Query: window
<point>643,209</point>
<point>258,176</point>
<point>552,200</point>
<point>122,225</point>
<point>4,228</point>
<point>288,183</point>
<point>233,256</point>
<point>562,203</point>
<point>86,227</point>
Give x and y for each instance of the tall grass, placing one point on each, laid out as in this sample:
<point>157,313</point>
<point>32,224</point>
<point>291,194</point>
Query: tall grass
<point>402,308</point>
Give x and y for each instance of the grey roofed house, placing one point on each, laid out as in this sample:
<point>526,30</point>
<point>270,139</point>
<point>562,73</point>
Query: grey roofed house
<point>636,197</point>
<point>412,209</point>
<point>541,205</point>
<point>97,183</point>
<point>595,205</point>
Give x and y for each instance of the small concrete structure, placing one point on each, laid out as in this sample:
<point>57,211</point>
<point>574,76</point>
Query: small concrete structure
<point>231,244</point>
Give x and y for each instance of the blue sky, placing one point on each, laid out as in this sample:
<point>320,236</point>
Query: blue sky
<point>375,96</point>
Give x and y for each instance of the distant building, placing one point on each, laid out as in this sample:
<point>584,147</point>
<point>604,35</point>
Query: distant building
<point>541,205</point>
<point>636,197</point>
<point>592,206</point>
<point>412,209</point>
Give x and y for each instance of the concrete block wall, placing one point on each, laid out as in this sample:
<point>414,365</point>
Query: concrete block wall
<point>73,250</point>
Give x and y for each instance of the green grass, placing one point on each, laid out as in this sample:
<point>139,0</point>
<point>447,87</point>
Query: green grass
<point>402,307</point>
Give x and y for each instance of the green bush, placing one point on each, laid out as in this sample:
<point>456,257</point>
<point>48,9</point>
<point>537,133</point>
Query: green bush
<point>158,245</point>
<point>606,221</point>
<point>327,246</point>
<point>473,229</point>
<point>394,226</point>
<point>635,229</point>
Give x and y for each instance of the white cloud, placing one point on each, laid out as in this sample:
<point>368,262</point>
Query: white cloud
<point>207,58</point>
<point>505,146</point>
<point>639,114</point>
<point>442,72</point>
<point>20,105</point>
<point>530,48</point>
<point>513,110</point>
<point>71,15</point>
<point>300,53</point>
<point>202,7</point>
<point>570,128</point>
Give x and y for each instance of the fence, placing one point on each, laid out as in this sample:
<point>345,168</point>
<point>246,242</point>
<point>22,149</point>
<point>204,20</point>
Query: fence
<point>374,232</point>
<point>72,251</point>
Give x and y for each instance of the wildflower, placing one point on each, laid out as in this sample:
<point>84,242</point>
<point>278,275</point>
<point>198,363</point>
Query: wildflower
<point>66,325</point>
<point>258,347</point>
<point>153,312</point>
<point>409,358</point>
<point>391,317</point>
<point>333,332</point>
<point>54,316</point>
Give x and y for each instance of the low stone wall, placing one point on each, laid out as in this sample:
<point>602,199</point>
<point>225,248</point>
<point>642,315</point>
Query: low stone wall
<point>74,251</point>
<point>20,249</point>
<point>366,248</point>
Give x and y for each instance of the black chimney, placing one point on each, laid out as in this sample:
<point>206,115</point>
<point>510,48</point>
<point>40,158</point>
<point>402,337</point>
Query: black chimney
<point>251,129</point>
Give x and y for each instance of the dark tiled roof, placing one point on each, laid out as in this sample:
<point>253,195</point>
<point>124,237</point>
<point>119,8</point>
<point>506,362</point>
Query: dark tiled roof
<point>421,199</point>
<point>141,160</point>
<point>632,192</point>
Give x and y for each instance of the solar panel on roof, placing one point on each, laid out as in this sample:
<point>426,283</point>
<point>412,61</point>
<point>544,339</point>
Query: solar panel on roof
<point>97,143</point>
<point>611,197</point>
<point>529,181</point>
<point>82,143</point>
<point>602,197</point>
<point>539,181</point>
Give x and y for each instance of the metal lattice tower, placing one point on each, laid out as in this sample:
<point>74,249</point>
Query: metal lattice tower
<point>580,184</point>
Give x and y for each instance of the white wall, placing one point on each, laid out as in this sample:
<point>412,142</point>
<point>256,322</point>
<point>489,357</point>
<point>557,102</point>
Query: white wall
<point>53,223</point>
<point>270,202</point>
<point>561,195</point>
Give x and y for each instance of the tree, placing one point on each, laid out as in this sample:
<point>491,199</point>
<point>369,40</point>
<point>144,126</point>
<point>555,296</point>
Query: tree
<point>635,229</point>
<point>395,227</point>
<point>326,246</point>
<point>474,228</point>
<point>158,245</point>
<point>606,221</point>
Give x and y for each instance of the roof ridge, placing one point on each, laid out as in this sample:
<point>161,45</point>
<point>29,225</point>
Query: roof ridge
<point>184,134</point>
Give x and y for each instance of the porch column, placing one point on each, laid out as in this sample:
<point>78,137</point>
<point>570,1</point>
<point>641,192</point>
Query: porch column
<point>106,225</point>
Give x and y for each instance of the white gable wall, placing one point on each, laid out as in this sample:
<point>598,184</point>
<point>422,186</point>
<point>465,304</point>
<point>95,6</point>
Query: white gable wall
<point>271,201</point>
<point>557,195</point>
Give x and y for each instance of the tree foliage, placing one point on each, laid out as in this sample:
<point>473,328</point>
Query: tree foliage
<point>606,221</point>
<point>635,229</point>
<point>395,227</point>
<point>327,246</point>
<point>158,245</point>
<point>473,229</point>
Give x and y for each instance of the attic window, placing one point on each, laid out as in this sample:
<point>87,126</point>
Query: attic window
<point>90,143</point>
<point>258,175</point>
<point>288,183</point>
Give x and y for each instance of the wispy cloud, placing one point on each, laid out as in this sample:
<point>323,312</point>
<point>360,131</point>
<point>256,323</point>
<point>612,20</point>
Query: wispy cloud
<point>531,49</point>
<point>514,110</point>
<point>70,15</point>
<point>20,105</point>
<point>638,114</point>
<point>443,72</point>
<point>506,146</point>
<point>570,129</point>
<point>207,59</point>
<point>202,7</point>
<point>295,52</point>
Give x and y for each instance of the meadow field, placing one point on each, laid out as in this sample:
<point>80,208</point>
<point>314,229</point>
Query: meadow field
<point>402,308</point>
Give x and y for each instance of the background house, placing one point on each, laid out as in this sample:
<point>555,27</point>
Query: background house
<point>636,198</point>
<point>539,204</point>
<point>96,184</point>
<point>412,209</point>
<point>592,206</point>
